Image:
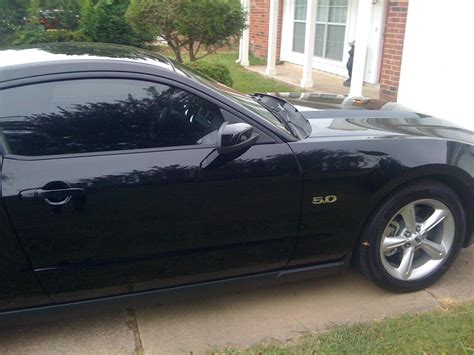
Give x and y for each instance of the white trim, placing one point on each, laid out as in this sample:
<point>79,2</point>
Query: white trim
<point>333,66</point>
<point>375,48</point>
<point>272,38</point>
<point>244,39</point>
<point>324,64</point>
<point>326,25</point>
<point>362,38</point>
<point>307,76</point>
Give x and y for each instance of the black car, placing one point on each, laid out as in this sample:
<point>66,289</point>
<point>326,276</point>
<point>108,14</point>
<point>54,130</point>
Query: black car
<point>123,172</point>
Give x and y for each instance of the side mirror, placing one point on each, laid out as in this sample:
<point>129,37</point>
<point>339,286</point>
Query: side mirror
<point>235,137</point>
<point>232,141</point>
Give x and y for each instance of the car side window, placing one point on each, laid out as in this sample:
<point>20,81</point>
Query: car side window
<point>95,115</point>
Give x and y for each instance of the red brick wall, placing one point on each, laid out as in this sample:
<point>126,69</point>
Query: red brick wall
<point>393,49</point>
<point>259,17</point>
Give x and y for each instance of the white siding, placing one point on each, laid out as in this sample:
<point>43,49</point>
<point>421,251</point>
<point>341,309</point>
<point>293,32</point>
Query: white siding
<point>437,75</point>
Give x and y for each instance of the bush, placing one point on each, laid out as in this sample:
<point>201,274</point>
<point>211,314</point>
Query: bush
<point>215,71</point>
<point>66,36</point>
<point>34,27</point>
<point>12,13</point>
<point>104,21</point>
<point>41,36</point>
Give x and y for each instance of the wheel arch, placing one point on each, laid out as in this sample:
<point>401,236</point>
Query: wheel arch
<point>454,177</point>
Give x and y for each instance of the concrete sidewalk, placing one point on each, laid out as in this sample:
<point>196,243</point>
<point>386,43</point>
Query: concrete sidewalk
<point>323,82</point>
<point>199,321</point>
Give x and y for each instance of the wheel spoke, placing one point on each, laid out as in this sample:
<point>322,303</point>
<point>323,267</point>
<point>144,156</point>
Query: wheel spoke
<point>417,239</point>
<point>390,243</point>
<point>409,217</point>
<point>434,250</point>
<point>432,221</point>
<point>406,264</point>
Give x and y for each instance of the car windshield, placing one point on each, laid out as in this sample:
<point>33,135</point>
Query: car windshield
<point>248,101</point>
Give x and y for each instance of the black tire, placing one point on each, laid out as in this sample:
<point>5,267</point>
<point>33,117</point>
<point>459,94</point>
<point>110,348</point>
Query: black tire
<point>368,253</point>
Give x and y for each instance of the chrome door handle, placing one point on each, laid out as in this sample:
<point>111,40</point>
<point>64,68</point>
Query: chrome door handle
<point>54,197</point>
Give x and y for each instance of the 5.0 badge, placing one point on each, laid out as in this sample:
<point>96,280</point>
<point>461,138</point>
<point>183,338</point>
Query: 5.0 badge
<point>319,200</point>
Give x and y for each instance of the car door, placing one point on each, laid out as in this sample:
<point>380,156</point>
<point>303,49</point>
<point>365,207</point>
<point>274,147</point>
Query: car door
<point>102,182</point>
<point>20,288</point>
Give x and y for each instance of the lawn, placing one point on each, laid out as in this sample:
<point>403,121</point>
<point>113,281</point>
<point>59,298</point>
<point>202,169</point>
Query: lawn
<point>245,81</point>
<point>449,330</point>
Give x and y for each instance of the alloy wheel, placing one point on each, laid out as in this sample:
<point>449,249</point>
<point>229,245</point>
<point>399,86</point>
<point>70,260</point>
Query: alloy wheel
<point>417,240</point>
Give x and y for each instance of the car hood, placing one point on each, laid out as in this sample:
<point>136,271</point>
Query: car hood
<point>382,124</point>
<point>334,115</point>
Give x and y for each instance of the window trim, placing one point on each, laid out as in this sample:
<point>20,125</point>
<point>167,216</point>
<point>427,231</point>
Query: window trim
<point>295,21</point>
<point>122,76</point>
<point>326,25</point>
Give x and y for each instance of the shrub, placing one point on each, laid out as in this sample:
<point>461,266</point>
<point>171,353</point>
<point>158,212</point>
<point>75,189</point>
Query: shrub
<point>12,13</point>
<point>67,16</point>
<point>218,72</point>
<point>41,36</point>
<point>66,36</point>
<point>33,30</point>
<point>104,21</point>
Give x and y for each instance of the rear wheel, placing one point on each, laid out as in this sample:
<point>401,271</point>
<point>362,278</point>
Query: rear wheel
<point>413,238</point>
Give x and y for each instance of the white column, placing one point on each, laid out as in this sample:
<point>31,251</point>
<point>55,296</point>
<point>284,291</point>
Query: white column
<point>362,35</point>
<point>240,39</point>
<point>272,38</point>
<point>240,51</point>
<point>244,59</point>
<point>307,77</point>
<point>244,39</point>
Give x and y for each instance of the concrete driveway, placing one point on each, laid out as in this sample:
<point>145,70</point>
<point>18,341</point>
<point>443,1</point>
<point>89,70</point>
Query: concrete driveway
<point>197,321</point>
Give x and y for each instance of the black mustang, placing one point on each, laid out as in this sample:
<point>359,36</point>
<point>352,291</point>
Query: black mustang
<point>123,171</point>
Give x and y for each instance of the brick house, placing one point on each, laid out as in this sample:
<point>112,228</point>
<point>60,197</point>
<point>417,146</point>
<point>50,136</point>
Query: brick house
<point>414,50</point>
<point>335,26</point>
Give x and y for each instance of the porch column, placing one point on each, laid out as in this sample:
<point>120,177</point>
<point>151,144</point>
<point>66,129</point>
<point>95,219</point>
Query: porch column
<point>240,51</point>
<point>362,35</point>
<point>272,38</point>
<point>244,54</point>
<point>307,78</point>
<point>244,39</point>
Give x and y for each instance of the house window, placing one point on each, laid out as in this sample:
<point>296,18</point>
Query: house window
<point>299,26</point>
<point>331,19</point>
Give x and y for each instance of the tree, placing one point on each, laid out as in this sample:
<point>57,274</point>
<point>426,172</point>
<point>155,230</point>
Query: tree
<point>32,31</point>
<point>87,16</point>
<point>104,21</point>
<point>12,13</point>
<point>34,12</point>
<point>41,14</point>
<point>188,24</point>
<point>67,12</point>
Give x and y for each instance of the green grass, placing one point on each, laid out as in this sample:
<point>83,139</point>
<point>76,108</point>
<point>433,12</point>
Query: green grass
<point>448,331</point>
<point>247,81</point>
<point>244,80</point>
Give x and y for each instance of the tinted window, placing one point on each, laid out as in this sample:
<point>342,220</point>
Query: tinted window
<point>237,97</point>
<point>103,115</point>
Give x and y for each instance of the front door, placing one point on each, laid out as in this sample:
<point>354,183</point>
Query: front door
<point>104,188</point>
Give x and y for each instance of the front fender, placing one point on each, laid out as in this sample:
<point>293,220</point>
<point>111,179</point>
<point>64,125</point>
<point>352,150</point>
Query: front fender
<point>361,173</point>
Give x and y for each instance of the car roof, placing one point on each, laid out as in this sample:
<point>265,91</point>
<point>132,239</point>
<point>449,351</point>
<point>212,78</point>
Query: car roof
<point>23,61</point>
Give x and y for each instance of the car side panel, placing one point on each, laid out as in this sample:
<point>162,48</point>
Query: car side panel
<point>19,285</point>
<point>155,219</point>
<point>361,173</point>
